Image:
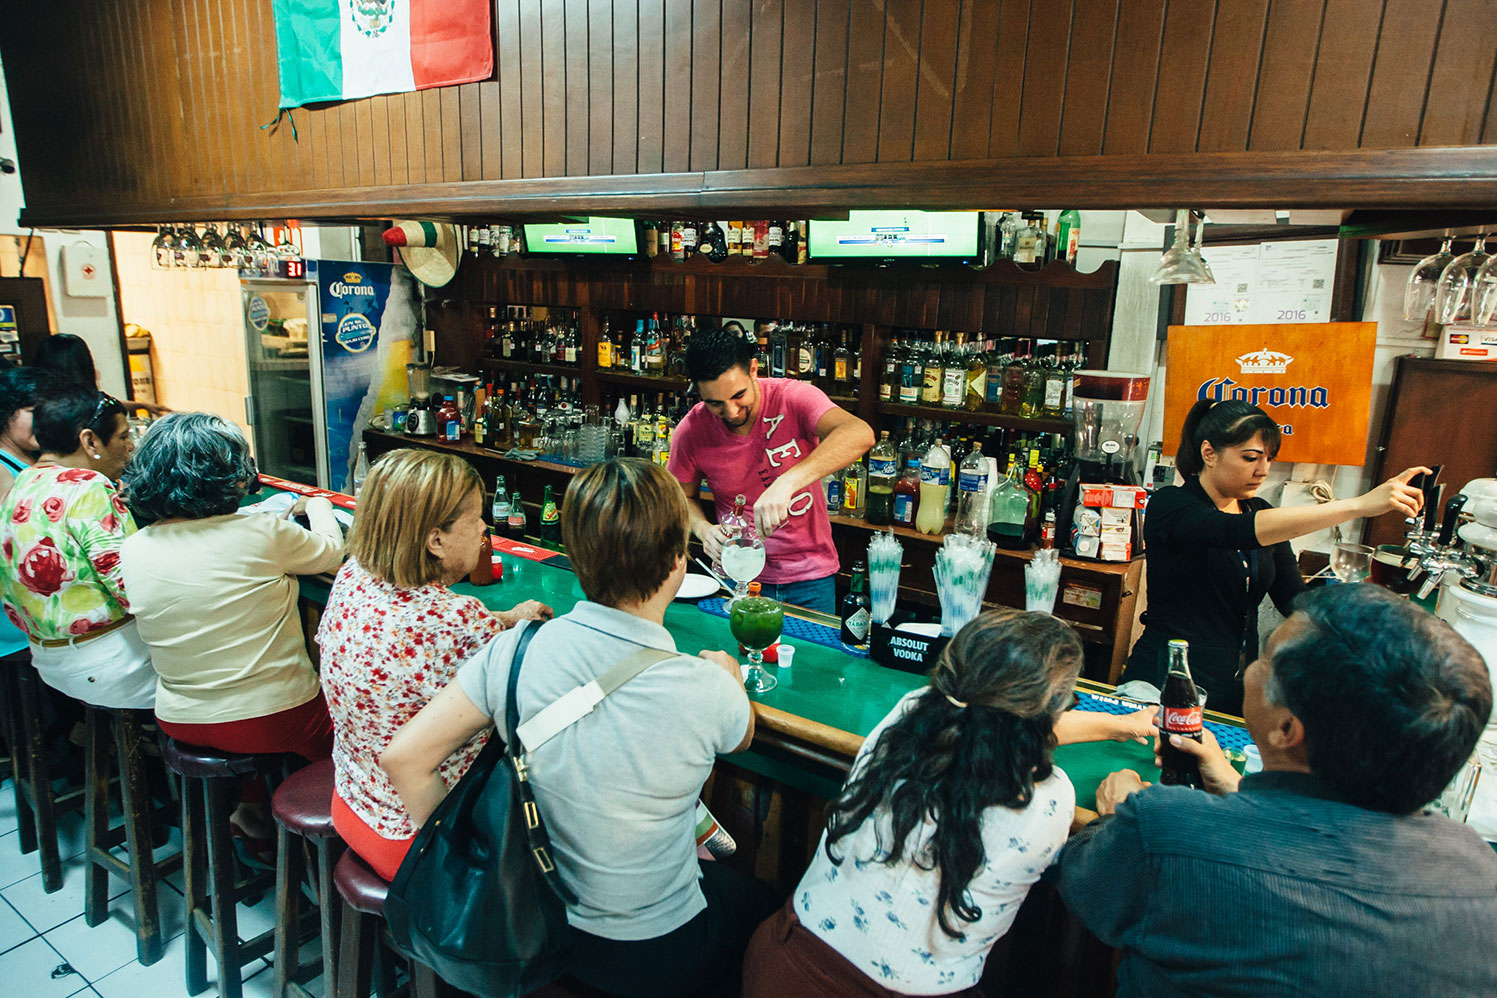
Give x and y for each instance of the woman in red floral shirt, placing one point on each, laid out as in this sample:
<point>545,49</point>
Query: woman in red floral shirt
<point>394,634</point>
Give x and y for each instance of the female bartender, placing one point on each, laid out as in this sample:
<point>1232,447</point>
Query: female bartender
<point>1213,549</point>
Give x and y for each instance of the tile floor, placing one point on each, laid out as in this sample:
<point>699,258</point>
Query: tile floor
<point>46,950</point>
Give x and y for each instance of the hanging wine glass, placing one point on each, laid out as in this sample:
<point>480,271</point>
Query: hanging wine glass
<point>1484,306</point>
<point>182,249</point>
<point>1419,292</point>
<point>235,248</point>
<point>1180,264</point>
<point>163,248</point>
<point>1201,238</point>
<point>260,252</point>
<point>213,247</point>
<point>1455,293</point>
<point>192,247</point>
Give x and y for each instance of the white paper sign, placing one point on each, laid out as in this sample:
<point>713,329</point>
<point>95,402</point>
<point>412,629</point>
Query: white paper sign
<point>1267,283</point>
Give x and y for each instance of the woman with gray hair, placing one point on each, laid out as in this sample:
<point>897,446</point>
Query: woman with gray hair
<point>214,593</point>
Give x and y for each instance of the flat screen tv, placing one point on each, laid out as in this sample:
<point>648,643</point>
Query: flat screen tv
<point>898,235</point>
<point>593,235</point>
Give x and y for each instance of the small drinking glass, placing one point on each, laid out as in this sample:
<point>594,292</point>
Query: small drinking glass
<point>1352,562</point>
<point>1455,800</point>
<point>757,623</point>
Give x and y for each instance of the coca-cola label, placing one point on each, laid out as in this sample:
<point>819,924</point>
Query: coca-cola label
<point>1181,720</point>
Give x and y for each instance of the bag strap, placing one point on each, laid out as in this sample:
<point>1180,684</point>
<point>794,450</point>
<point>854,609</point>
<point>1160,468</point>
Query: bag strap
<point>512,709</point>
<point>579,701</point>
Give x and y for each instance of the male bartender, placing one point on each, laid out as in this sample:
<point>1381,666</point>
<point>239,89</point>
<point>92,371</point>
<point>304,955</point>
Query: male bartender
<point>771,440</point>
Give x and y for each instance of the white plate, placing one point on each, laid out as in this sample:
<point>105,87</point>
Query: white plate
<point>697,587</point>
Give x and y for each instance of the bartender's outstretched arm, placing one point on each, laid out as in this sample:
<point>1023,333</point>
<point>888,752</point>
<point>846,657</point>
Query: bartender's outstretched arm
<point>1395,495</point>
<point>844,438</point>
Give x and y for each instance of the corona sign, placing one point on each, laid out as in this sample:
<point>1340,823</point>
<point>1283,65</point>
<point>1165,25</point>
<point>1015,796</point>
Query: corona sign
<point>1314,380</point>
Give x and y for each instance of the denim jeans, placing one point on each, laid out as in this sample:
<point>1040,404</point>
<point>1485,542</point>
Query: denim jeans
<point>813,594</point>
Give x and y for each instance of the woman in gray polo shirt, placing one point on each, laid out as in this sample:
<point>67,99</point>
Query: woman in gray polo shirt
<point>618,789</point>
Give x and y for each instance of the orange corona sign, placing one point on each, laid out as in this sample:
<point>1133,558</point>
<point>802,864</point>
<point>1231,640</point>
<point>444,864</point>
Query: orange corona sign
<point>1314,379</point>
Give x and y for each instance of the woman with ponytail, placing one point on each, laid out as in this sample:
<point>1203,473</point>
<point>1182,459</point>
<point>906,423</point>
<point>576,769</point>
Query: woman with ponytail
<point>952,810</point>
<point>1213,549</point>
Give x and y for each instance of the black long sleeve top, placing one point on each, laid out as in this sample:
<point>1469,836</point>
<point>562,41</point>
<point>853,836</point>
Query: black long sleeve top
<point>1207,576</point>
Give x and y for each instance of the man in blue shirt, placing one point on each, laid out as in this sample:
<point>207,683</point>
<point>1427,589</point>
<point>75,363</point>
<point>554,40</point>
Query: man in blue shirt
<point>1320,875</point>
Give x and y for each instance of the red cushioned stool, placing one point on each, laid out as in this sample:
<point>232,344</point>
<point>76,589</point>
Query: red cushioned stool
<point>210,787</point>
<point>365,938</point>
<point>303,807</point>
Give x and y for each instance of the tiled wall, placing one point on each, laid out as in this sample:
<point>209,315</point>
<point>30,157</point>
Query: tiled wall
<point>197,325</point>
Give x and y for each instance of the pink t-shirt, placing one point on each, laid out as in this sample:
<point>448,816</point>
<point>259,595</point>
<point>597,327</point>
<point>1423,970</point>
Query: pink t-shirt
<point>702,447</point>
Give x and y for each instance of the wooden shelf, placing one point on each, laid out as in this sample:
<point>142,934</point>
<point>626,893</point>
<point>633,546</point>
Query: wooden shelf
<point>642,382</point>
<point>528,368</point>
<point>980,417</point>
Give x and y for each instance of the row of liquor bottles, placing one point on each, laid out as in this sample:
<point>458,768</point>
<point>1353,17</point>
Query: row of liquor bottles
<point>1017,377</point>
<point>1026,237</point>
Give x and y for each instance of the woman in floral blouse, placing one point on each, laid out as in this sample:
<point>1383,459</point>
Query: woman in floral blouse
<point>61,527</point>
<point>394,634</point>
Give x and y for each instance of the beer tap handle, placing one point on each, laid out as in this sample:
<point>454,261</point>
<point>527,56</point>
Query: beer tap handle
<point>1452,517</point>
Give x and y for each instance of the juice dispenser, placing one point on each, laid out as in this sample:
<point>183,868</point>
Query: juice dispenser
<point>1108,409</point>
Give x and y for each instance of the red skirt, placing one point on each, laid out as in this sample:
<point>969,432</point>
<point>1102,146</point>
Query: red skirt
<point>786,958</point>
<point>383,855</point>
<point>306,730</point>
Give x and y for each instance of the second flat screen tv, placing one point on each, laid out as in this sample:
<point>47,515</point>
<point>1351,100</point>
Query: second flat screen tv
<point>593,235</point>
<point>898,235</point>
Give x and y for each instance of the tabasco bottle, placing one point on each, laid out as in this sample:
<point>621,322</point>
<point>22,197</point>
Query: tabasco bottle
<point>1179,714</point>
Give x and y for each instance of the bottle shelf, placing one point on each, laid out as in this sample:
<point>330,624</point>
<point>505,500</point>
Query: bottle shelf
<point>526,367</point>
<point>642,382</point>
<point>979,417</point>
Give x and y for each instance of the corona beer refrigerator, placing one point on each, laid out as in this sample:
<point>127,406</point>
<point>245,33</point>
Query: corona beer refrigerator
<point>327,349</point>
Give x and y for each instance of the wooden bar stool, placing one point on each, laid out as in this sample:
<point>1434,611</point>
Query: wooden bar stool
<point>365,937</point>
<point>36,772</point>
<point>210,788</point>
<point>124,731</point>
<point>15,744</point>
<point>303,807</point>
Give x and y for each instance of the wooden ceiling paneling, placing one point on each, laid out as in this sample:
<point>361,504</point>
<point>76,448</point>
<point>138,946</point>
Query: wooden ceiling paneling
<point>135,105</point>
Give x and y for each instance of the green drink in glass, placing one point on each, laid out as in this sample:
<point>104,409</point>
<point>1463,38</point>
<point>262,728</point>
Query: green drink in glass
<point>757,622</point>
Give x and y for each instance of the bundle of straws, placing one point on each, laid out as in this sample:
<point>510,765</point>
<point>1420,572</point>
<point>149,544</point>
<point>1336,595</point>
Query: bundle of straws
<point>1042,581</point>
<point>884,555</point>
<point>963,565</point>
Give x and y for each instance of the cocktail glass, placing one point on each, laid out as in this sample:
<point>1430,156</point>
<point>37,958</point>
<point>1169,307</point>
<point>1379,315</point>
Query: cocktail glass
<point>742,559</point>
<point>757,622</point>
<point>1352,562</point>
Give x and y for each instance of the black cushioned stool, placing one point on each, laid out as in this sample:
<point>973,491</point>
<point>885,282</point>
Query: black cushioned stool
<point>363,892</point>
<point>303,807</point>
<point>123,729</point>
<point>210,788</point>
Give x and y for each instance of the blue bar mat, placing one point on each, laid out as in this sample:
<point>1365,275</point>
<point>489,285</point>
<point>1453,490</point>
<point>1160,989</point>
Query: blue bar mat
<point>1227,735</point>
<point>795,627</point>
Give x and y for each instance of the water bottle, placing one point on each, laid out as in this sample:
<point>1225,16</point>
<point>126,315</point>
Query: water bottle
<point>972,494</point>
<point>935,489</point>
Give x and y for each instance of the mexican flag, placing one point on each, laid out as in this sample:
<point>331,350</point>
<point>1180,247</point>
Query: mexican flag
<point>342,49</point>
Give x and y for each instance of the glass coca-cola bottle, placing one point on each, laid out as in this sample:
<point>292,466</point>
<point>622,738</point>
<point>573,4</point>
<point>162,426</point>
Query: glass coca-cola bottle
<point>1179,714</point>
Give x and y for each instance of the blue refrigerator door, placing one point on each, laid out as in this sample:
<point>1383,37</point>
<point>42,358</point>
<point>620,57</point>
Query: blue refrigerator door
<point>368,320</point>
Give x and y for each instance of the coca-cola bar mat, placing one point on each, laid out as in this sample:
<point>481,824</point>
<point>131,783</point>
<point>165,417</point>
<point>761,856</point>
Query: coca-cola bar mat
<point>1227,735</point>
<point>795,627</point>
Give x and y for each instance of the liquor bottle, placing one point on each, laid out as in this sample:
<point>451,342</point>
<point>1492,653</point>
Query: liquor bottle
<point>499,510</point>
<point>1013,384</point>
<point>1068,236</point>
<point>775,237</point>
<point>654,350</point>
<point>1179,714</point>
<point>480,417</point>
<point>1053,395</point>
<point>688,239</point>
<point>930,393</point>
<point>492,342</point>
<point>906,496</point>
<point>912,374</point>
<point>569,355</point>
<point>842,367</point>
<point>605,348</point>
<point>1028,244</point>
<point>652,238</point>
<point>778,347</point>
<point>360,469</point>
<point>637,347</point>
<point>935,488</point>
<point>733,238</point>
<point>550,519</point>
<point>713,245</point>
<point>855,490</point>
<point>883,472</point>
<point>888,385</point>
<point>823,358</point>
<point>507,344</point>
<point>1034,481</point>
<point>802,240</point>
<point>790,243</point>
<point>998,360</point>
<point>1032,402</point>
<point>972,489</point>
<point>832,487</point>
<point>803,352</point>
<point>678,252</point>
<point>954,375</point>
<point>761,239</point>
<point>856,610</point>
<point>977,378</point>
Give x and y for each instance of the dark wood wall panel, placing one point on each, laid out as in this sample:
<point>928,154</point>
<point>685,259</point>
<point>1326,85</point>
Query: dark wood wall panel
<point>138,104</point>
